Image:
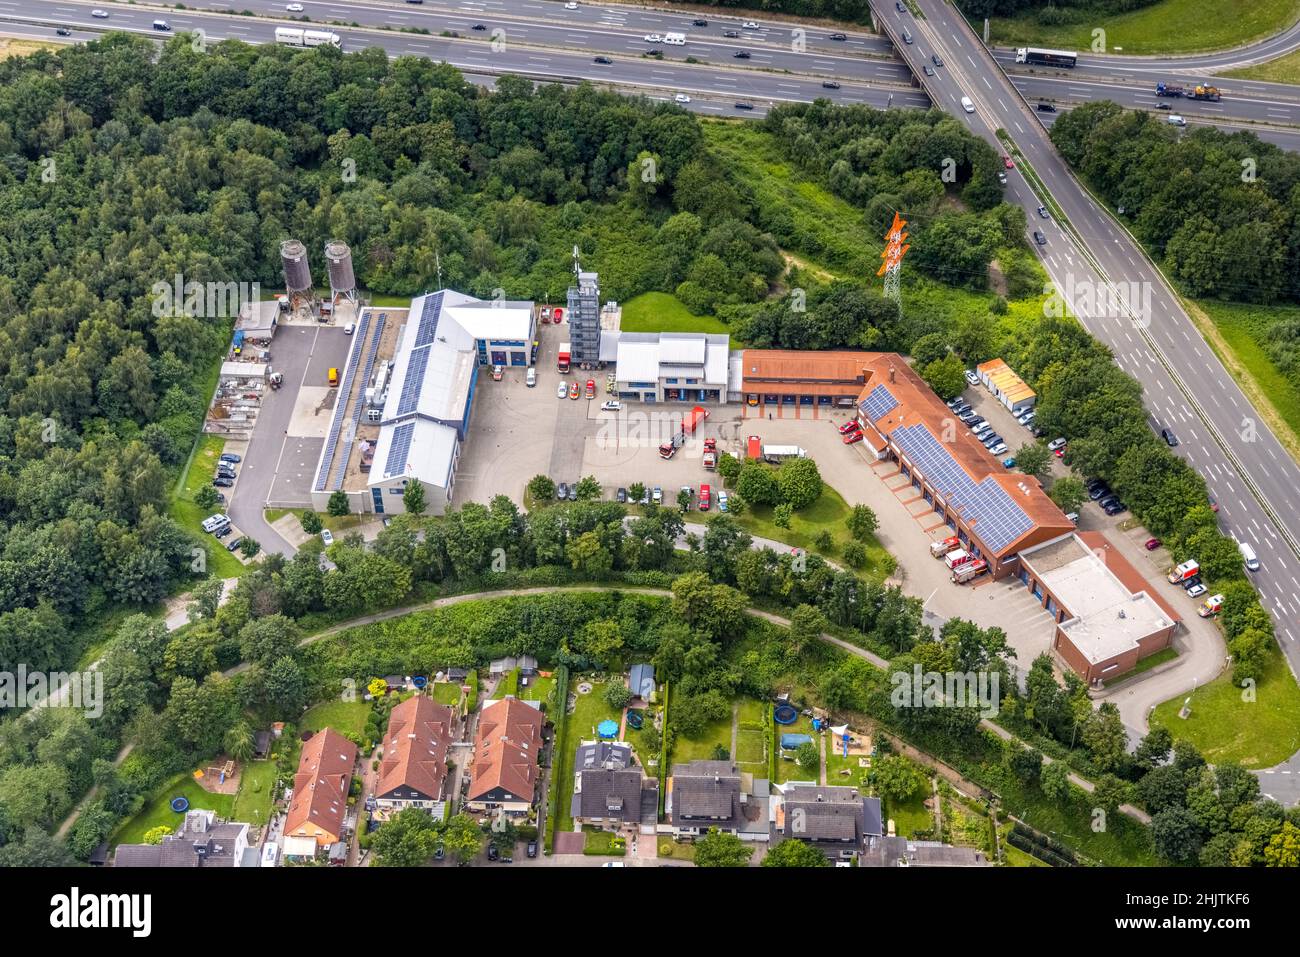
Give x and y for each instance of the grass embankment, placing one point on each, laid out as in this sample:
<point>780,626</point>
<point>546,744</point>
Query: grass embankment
<point>1285,69</point>
<point>1225,727</point>
<point>1171,26</point>
<point>663,312</point>
<point>829,513</point>
<point>1236,331</point>
<point>202,469</point>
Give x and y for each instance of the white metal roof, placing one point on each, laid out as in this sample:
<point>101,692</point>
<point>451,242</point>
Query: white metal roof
<point>431,452</point>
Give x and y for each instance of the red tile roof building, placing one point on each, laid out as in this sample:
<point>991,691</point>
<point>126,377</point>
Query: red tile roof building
<point>320,788</point>
<point>414,769</point>
<point>995,513</point>
<point>506,750</point>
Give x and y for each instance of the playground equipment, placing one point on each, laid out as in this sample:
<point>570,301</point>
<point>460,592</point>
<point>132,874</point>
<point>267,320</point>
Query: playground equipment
<point>607,729</point>
<point>785,714</point>
<point>180,804</point>
<point>635,720</point>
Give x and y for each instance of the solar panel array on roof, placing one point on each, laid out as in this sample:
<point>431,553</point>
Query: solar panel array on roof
<point>428,327</point>
<point>878,403</point>
<point>414,381</point>
<point>992,513</point>
<point>331,440</point>
<point>359,402</point>
<point>400,449</point>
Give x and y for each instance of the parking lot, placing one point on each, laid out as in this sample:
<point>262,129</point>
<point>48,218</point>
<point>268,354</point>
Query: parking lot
<point>281,457</point>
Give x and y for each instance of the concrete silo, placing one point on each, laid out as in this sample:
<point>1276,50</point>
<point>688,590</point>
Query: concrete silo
<point>297,272</point>
<point>343,281</point>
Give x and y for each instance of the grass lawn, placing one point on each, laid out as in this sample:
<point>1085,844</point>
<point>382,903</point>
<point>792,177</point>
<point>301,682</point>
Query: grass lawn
<point>912,815</point>
<point>253,802</point>
<point>182,508</point>
<point>1259,734</point>
<point>669,848</point>
<point>537,689</point>
<point>646,742</point>
<point>1171,26</point>
<point>662,312</point>
<point>750,750</point>
<point>837,763</point>
<point>789,770</point>
<point>335,523</point>
<point>590,711</point>
<point>339,715</point>
<point>1285,69</point>
<point>1015,857</point>
<point>701,748</point>
<point>446,692</point>
<point>828,514</point>
<point>598,843</point>
<point>158,810</point>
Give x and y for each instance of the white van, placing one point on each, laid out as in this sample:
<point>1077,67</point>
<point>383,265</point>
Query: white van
<point>967,105</point>
<point>531,379</point>
<point>1248,556</point>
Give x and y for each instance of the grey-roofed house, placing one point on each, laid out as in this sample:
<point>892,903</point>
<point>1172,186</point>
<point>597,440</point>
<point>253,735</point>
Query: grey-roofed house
<point>613,799</point>
<point>607,755</point>
<point>526,664</point>
<point>202,841</point>
<point>704,795</point>
<point>838,820</point>
<point>641,681</point>
<point>900,852</point>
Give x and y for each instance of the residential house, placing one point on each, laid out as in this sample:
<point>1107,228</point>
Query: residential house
<point>201,841</point>
<point>900,852</point>
<point>319,805</point>
<point>507,748</point>
<point>838,820</point>
<point>609,789</point>
<point>704,795</point>
<point>414,769</point>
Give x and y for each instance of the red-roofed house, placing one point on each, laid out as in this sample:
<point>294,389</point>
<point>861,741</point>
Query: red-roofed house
<point>506,751</point>
<point>320,790</point>
<point>414,769</point>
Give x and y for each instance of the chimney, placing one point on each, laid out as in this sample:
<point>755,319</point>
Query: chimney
<point>891,373</point>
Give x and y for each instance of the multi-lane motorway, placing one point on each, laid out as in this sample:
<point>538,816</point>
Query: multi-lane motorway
<point>1255,482</point>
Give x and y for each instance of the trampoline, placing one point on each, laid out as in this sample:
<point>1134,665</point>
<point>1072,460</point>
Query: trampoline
<point>607,728</point>
<point>180,804</point>
<point>785,714</point>
<point>635,720</point>
<point>419,681</point>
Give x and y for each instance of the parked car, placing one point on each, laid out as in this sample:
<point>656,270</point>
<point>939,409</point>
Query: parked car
<point>1196,590</point>
<point>852,437</point>
<point>530,379</point>
<point>231,457</point>
<point>620,496</point>
<point>222,531</point>
<point>972,377</point>
<point>234,543</point>
<point>1099,492</point>
<point>849,426</point>
<point>327,536</point>
<point>561,391</point>
<point>1190,582</point>
<point>493,853</point>
<point>574,391</point>
<point>497,373</point>
<point>1009,463</point>
<point>1151,544</point>
<point>975,422</point>
<point>1055,444</point>
<point>562,491</point>
<point>1114,508</point>
<point>1107,499</point>
<point>998,448</point>
<point>573,492</point>
<point>657,495</point>
<point>611,405</point>
<point>222,482</point>
<point>591,388</point>
<point>722,501</point>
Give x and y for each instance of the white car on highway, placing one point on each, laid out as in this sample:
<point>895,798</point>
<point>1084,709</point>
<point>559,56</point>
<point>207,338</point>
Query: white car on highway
<point>294,8</point>
<point>100,14</point>
<point>653,38</point>
<point>570,5</point>
<point>682,98</point>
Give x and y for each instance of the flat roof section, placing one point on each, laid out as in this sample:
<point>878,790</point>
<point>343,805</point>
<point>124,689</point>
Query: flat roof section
<point>1108,616</point>
<point>1005,380</point>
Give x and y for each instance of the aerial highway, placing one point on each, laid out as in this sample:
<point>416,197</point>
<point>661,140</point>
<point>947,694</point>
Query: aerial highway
<point>1253,479</point>
<point>721,86</point>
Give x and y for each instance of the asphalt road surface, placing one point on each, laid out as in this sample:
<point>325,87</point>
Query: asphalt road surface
<point>1255,482</point>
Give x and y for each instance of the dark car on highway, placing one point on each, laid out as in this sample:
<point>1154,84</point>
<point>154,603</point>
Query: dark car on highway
<point>838,36</point>
<point>731,34</point>
<point>1168,435</point>
<point>741,54</point>
<point>603,59</point>
<point>744,106</point>
<point>1040,238</point>
<point>1045,108</point>
<point>830,85</point>
<point>698,23</point>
